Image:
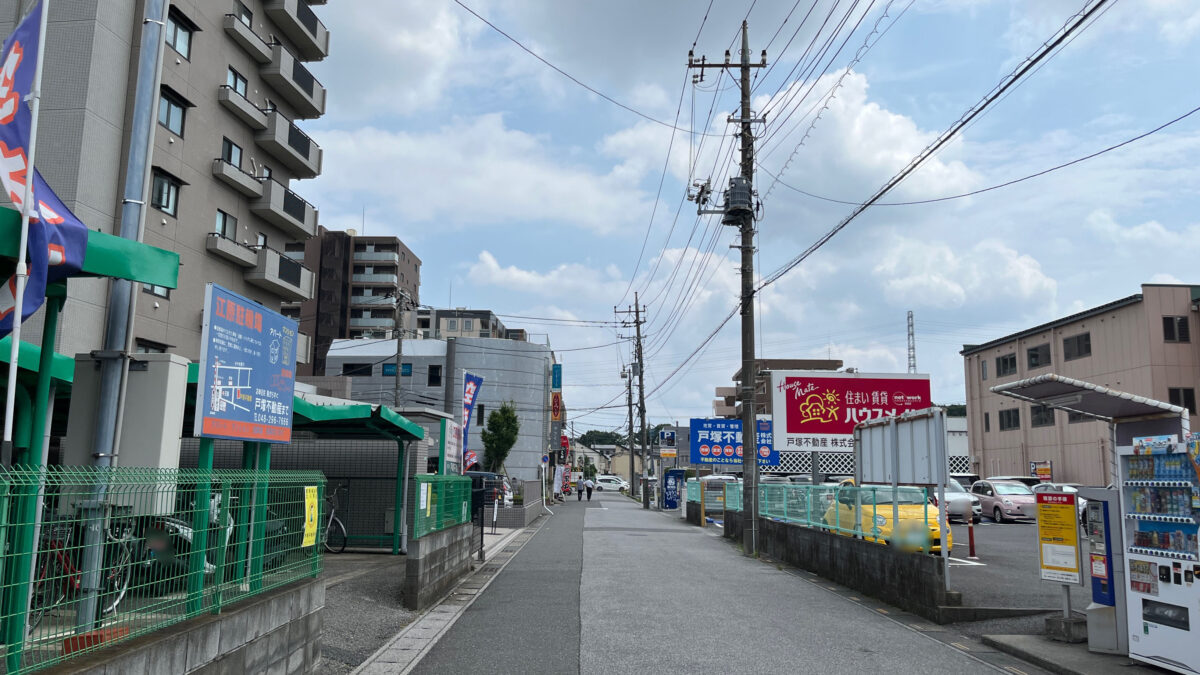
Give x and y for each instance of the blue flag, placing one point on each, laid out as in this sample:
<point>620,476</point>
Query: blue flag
<point>471,385</point>
<point>57,239</point>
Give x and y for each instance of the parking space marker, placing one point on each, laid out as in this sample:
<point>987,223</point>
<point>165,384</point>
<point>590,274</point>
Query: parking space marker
<point>961,646</point>
<point>1018,671</point>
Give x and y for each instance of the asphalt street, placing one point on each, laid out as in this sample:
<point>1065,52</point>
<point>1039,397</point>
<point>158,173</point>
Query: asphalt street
<point>607,587</point>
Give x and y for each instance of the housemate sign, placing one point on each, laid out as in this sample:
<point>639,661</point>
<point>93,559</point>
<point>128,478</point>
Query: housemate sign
<point>247,370</point>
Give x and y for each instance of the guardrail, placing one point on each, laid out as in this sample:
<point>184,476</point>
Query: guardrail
<point>867,512</point>
<point>95,556</point>
<point>442,502</point>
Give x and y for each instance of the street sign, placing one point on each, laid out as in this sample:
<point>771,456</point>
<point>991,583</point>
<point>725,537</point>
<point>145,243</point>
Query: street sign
<point>389,370</point>
<point>556,411</point>
<point>719,441</point>
<point>817,410</point>
<point>564,442</point>
<point>1042,470</point>
<point>247,370</point>
<point>556,377</point>
<point>666,438</point>
<point>545,459</point>
<point>1058,537</point>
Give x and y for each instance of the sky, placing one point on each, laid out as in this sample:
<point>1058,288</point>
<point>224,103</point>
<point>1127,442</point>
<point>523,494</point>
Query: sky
<point>527,194</point>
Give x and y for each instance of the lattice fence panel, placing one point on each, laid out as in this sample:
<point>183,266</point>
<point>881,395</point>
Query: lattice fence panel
<point>960,464</point>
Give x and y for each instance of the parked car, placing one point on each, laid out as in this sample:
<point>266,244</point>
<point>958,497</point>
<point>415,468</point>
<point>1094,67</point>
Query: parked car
<point>960,504</point>
<point>801,479</point>
<point>965,479</point>
<point>1027,480</point>
<point>868,514</point>
<point>487,486</point>
<point>613,483</point>
<point>1002,499</point>
<point>1073,488</point>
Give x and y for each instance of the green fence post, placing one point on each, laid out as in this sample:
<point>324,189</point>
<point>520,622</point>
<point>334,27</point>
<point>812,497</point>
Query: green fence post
<point>258,543</point>
<point>202,496</point>
<point>22,558</point>
<point>398,505</point>
<point>223,534</point>
<point>241,526</point>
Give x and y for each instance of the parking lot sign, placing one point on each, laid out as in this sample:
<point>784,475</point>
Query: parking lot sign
<point>1058,537</point>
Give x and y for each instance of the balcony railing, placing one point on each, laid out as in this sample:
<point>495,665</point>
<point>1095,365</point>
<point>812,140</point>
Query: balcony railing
<point>374,278</point>
<point>286,210</point>
<point>247,39</point>
<point>294,83</point>
<point>274,271</point>
<point>283,139</point>
<point>231,250</point>
<point>234,177</point>
<point>241,107</point>
<point>378,256</point>
<point>301,25</point>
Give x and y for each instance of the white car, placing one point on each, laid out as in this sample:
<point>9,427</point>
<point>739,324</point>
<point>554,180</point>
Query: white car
<point>613,483</point>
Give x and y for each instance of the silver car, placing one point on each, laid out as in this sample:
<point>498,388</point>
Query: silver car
<point>961,504</point>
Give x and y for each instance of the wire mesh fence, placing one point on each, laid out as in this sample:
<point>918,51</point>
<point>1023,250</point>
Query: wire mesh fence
<point>442,502</point>
<point>93,556</point>
<point>902,515</point>
<point>733,496</point>
<point>693,490</point>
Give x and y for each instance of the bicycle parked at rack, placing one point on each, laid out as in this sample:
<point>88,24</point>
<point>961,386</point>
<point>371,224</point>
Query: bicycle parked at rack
<point>335,529</point>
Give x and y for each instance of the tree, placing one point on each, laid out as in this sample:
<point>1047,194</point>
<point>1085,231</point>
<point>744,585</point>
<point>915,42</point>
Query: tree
<point>596,437</point>
<point>956,410</point>
<point>589,469</point>
<point>499,436</point>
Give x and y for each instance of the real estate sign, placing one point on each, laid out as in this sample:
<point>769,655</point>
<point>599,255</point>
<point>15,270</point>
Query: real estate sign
<point>719,441</point>
<point>818,410</point>
<point>247,370</point>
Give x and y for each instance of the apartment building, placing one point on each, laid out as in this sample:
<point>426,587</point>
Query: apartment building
<point>726,403</point>
<point>362,284</point>
<point>227,150</point>
<point>1140,344</point>
<point>440,324</point>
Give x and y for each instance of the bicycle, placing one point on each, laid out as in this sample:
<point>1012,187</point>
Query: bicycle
<point>335,531</point>
<point>59,577</point>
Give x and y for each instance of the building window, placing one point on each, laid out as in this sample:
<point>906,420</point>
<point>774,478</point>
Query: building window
<point>149,347</point>
<point>1041,416</point>
<point>987,423</point>
<point>468,324</point>
<point>266,172</point>
<point>481,415</point>
<point>1175,329</point>
<point>179,33</point>
<point>422,323</point>
<point>1010,419</point>
<point>434,378</point>
<point>1075,417</point>
<point>1039,356</point>
<point>231,152</point>
<point>226,225</point>
<point>164,194</point>
<point>243,13</point>
<point>1006,365</point>
<point>451,324</point>
<point>158,291</point>
<point>357,369</point>
<point>236,82</point>
<point>260,239</point>
<point>983,368</point>
<point>171,111</point>
<point>1184,398</point>
<point>1077,346</point>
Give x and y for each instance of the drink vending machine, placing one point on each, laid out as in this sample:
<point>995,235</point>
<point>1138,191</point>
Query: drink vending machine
<point>1160,500</point>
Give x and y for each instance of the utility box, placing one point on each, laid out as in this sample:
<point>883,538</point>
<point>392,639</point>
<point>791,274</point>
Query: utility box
<point>153,421</point>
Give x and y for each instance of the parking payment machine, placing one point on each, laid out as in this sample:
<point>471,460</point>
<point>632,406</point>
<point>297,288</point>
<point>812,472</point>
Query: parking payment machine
<point>1106,615</point>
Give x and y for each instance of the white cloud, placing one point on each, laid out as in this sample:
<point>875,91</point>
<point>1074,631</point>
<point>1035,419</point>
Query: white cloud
<point>567,281</point>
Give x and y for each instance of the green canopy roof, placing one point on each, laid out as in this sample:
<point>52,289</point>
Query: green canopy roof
<point>28,355</point>
<point>106,255</point>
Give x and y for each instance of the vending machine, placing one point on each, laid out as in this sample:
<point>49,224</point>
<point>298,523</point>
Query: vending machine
<point>1105,560</point>
<point>1160,503</point>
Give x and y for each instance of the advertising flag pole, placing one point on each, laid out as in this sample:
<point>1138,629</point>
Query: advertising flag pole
<point>22,274</point>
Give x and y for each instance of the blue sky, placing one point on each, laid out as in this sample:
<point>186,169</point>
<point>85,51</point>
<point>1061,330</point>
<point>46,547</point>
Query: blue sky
<point>528,195</point>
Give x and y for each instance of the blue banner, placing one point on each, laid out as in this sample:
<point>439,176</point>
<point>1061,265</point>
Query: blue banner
<point>556,377</point>
<point>719,441</point>
<point>389,370</point>
<point>57,239</point>
<point>471,385</point>
<point>247,370</point>
<point>672,485</point>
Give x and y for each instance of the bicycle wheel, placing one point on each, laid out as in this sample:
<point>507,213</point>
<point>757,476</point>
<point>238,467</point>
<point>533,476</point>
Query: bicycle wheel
<point>335,536</point>
<point>49,590</point>
<point>116,578</point>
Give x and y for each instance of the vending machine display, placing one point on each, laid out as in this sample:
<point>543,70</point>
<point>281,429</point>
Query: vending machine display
<point>1160,484</point>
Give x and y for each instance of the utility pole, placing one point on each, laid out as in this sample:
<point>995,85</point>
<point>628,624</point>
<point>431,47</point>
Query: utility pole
<point>912,344</point>
<point>401,296</point>
<point>628,375</point>
<point>641,373</point>
<point>739,212</point>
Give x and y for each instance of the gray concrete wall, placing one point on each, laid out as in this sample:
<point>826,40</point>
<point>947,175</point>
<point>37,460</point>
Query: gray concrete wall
<point>276,632</point>
<point>435,563</point>
<point>517,515</point>
<point>915,582</point>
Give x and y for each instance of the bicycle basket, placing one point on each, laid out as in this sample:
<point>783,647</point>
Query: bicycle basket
<point>60,531</point>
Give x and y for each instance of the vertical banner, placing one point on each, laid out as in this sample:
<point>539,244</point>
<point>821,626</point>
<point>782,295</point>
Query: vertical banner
<point>556,377</point>
<point>556,407</point>
<point>471,385</point>
<point>310,516</point>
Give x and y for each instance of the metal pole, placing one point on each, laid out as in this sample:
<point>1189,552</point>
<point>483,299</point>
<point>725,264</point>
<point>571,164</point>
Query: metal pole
<point>22,272</point>
<point>641,373</point>
<point>749,458</point>
<point>629,403</point>
<point>399,509</point>
<point>112,361</point>
<point>399,344</point>
<point>195,581</point>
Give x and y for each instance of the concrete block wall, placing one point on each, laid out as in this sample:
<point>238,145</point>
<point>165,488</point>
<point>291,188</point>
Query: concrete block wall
<point>276,632</point>
<point>517,515</point>
<point>435,563</point>
<point>915,582</point>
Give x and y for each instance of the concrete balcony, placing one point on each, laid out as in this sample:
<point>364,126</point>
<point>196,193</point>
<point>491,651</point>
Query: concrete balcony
<point>286,143</point>
<point>286,210</point>
<point>288,76</point>
<point>372,301</point>
<point>226,248</point>
<point>377,256</point>
<point>722,410</point>
<point>242,108</point>
<point>375,278</point>
<point>297,21</point>
<point>280,275</point>
<point>237,179</point>
<point>303,348</point>
<point>247,39</point>
<point>371,322</point>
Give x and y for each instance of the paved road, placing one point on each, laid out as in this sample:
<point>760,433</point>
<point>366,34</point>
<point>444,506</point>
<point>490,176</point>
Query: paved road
<point>607,587</point>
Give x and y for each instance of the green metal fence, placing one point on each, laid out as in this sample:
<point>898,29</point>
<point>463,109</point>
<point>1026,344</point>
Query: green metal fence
<point>442,502</point>
<point>867,512</point>
<point>693,490</point>
<point>94,556</point>
<point>733,496</point>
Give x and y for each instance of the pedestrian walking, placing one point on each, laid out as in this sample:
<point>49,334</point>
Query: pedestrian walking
<point>589,485</point>
<point>579,491</point>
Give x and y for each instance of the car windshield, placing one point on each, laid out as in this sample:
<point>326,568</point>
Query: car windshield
<point>885,496</point>
<point>1013,489</point>
<point>955,486</point>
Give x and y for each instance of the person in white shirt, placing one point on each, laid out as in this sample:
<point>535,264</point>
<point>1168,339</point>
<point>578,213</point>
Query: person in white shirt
<point>589,485</point>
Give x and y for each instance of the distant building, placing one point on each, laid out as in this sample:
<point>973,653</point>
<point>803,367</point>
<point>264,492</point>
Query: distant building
<point>440,324</point>
<point>431,374</point>
<point>359,282</point>
<point>727,404</point>
<point>1140,344</point>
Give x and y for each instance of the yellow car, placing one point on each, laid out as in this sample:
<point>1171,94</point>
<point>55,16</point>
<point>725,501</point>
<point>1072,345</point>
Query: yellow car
<point>867,513</point>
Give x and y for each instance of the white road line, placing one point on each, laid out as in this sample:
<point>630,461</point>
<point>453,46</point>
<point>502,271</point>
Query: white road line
<point>972,563</point>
